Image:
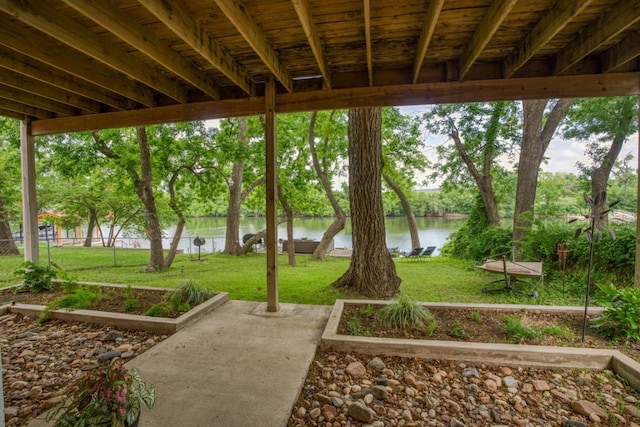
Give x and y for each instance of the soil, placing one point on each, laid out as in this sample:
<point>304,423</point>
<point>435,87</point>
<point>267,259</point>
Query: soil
<point>110,299</point>
<point>556,329</point>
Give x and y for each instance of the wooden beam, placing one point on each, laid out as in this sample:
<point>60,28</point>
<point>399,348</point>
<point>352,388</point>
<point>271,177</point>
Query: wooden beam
<point>271,181</point>
<point>367,36</point>
<point>562,13</point>
<point>623,52</point>
<point>45,18</point>
<point>33,44</point>
<point>612,84</point>
<point>129,30</point>
<point>430,21</point>
<point>244,23</point>
<point>490,23</point>
<point>29,201</point>
<point>25,110</point>
<point>615,21</point>
<point>178,20</point>
<point>36,87</point>
<point>12,114</point>
<point>309,27</point>
<point>27,98</point>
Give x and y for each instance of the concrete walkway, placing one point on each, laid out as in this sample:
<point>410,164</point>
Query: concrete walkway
<point>238,366</point>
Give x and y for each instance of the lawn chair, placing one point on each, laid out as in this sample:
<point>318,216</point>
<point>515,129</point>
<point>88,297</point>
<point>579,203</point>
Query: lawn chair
<point>414,254</point>
<point>428,251</point>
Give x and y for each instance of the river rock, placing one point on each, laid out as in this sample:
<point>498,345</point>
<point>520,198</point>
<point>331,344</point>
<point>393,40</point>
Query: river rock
<point>359,411</point>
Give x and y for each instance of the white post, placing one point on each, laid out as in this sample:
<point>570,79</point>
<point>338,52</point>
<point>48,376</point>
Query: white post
<point>29,202</point>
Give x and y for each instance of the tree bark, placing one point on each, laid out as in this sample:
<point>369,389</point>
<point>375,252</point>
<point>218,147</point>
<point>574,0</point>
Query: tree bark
<point>7,244</point>
<point>536,136</point>
<point>288,212</point>
<point>372,272</point>
<point>93,220</point>
<point>175,241</point>
<point>406,207</point>
<point>340,216</point>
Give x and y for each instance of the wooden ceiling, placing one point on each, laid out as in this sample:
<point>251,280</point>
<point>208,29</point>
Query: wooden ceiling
<point>84,64</point>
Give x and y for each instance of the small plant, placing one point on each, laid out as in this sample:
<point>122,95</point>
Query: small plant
<point>405,313</point>
<point>518,331</point>
<point>106,396</point>
<point>621,315</point>
<point>35,277</point>
<point>557,331</point>
<point>475,316</point>
<point>79,299</point>
<point>356,329</point>
<point>189,292</point>
<point>131,304</point>
<point>160,309</point>
<point>366,310</point>
<point>456,330</point>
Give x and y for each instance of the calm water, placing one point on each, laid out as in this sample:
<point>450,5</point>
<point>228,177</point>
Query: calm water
<point>432,231</point>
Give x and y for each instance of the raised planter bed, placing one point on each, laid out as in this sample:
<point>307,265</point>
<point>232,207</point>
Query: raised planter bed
<point>161,325</point>
<point>481,353</point>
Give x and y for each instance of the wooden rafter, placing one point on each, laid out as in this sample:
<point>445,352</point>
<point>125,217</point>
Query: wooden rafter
<point>15,36</point>
<point>616,20</point>
<point>186,28</point>
<point>430,21</point>
<point>27,110</point>
<point>620,54</point>
<point>11,114</point>
<point>253,35</point>
<point>28,98</point>
<point>309,27</point>
<point>490,23</point>
<point>367,35</point>
<point>54,93</point>
<point>613,84</point>
<point>47,19</point>
<point>563,12</point>
<point>129,30</point>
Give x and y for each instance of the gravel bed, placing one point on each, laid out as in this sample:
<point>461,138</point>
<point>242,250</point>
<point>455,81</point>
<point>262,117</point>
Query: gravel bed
<point>38,361</point>
<point>361,390</point>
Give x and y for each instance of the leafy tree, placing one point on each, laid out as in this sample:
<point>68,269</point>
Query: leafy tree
<point>403,155</point>
<point>371,271</point>
<point>606,123</point>
<point>481,133</point>
<point>538,128</point>
<point>9,182</point>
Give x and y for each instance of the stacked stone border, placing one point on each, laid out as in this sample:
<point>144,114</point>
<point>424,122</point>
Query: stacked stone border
<point>514,355</point>
<point>160,325</point>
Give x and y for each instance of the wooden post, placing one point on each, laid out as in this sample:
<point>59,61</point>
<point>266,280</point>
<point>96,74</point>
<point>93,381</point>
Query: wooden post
<point>636,281</point>
<point>272,200</point>
<point>29,202</point>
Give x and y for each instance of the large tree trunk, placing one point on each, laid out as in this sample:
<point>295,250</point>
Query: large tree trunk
<point>372,272</point>
<point>340,216</point>
<point>144,188</point>
<point>406,206</point>
<point>536,136</point>
<point>7,244</point>
<point>232,239</point>
<point>600,179</point>
<point>173,248</point>
<point>93,220</point>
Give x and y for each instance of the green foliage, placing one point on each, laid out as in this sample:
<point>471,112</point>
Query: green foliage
<point>189,292</point>
<point>356,329</point>
<point>79,299</point>
<point>621,315</point>
<point>35,277</point>
<point>160,309</point>
<point>456,330</point>
<point>475,316</point>
<point>131,304</point>
<point>107,396</point>
<point>518,331</point>
<point>404,313</point>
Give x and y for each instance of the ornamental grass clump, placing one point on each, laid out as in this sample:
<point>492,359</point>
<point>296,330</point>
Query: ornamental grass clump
<point>404,313</point>
<point>108,396</point>
<point>189,292</point>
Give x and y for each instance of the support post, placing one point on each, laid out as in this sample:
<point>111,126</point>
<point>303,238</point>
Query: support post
<point>271,193</point>
<point>636,281</point>
<point>29,202</point>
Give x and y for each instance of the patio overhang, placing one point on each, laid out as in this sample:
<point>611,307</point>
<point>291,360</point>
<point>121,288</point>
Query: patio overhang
<point>72,65</point>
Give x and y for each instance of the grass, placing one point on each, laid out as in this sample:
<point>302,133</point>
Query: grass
<point>438,279</point>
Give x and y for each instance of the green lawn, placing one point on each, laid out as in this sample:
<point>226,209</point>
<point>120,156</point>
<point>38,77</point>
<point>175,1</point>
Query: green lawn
<point>437,279</point>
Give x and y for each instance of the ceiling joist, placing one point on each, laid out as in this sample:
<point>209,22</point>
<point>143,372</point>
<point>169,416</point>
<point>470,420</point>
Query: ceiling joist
<point>620,54</point>
<point>430,21</point>
<point>180,22</point>
<point>616,20</point>
<point>252,34</point>
<point>309,27</point>
<point>367,36</point>
<point>490,23</point>
<point>562,13</point>
<point>23,109</point>
<point>47,19</point>
<point>28,98</point>
<point>129,30</point>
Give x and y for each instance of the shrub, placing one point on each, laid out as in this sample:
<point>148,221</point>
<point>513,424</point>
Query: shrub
<point>518,331</point>
<point>456,330</point>
<point>404,313</point>
<point>79,299</point>
<point>621,315</point>
<point>160,309</point>
<point>189,292</point>
<point>35,277</point>
<point>131,304</point>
